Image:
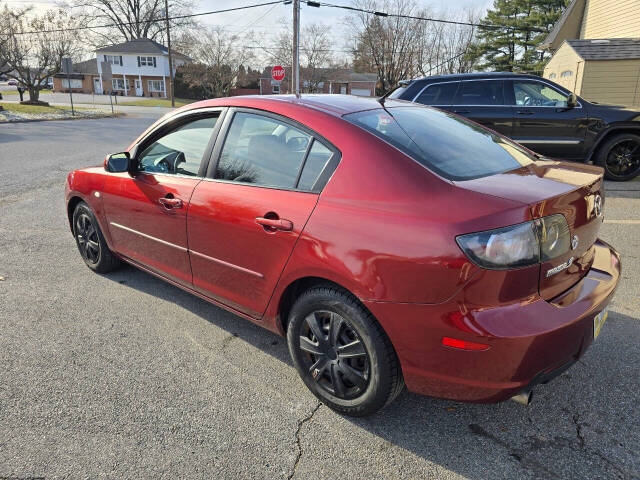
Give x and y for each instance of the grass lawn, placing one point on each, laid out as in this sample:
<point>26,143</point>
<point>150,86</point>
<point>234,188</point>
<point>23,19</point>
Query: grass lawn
<point>18,108</point>
<point>155,102</point>
<point>15,92</point>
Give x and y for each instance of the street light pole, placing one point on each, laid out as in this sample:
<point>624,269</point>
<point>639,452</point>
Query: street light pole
<point>295,78</point>
<point>166,16</point>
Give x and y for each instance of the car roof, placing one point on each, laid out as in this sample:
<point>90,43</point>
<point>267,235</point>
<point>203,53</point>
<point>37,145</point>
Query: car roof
<point>336,105</point>
<point>472,76</point>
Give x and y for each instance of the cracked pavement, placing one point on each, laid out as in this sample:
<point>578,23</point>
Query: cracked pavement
<point>125,376</point>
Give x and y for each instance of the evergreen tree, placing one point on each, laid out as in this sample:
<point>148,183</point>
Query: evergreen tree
<point>514,30</point>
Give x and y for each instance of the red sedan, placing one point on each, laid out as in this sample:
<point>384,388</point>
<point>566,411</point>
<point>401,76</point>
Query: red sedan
<point>391,243</point>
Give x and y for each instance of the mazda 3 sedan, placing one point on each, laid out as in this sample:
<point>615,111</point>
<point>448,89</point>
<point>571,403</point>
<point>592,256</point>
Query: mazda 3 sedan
<point>391,243</point>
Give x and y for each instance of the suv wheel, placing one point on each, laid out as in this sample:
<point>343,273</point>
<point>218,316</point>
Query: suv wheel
<point>620,157</point>
<point>341,352</point>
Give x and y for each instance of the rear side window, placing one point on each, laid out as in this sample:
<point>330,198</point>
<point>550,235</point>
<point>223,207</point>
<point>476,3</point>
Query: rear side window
<point>262,151</point>
<point>480,92</point>
<point>452,147</point>
<point>438,94</point>
<point>316,165</point>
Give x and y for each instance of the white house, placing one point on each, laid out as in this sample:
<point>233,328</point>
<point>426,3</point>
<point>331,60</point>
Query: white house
<point>138,68</point>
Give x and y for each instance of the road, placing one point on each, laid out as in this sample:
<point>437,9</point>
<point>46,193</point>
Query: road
<point>125,376</point>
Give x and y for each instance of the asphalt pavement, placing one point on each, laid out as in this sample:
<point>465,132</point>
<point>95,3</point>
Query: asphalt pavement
<point>125,376</point>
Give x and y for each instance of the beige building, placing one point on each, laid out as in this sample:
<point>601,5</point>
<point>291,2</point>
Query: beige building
<point>596,50</point>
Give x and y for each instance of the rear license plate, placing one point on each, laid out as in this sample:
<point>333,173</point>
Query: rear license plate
<point>598,321</point>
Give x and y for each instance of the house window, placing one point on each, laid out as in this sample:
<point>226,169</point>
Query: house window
<point>566,73</point>
<point>275,88</point>
<point>552,76</point>
<point>146,61</point>
<point>156,86</point>
<point>113,59</point>
<point>117,83</point>
<point>75,83</point>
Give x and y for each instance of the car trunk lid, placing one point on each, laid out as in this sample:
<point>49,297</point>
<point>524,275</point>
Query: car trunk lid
<point>553,187</point>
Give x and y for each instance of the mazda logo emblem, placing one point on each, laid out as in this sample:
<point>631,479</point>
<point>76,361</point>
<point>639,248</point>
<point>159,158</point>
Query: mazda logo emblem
<point>597,206</point>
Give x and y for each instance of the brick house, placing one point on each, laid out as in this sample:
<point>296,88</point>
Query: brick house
<point>139,68</point>
<point>322,80</point>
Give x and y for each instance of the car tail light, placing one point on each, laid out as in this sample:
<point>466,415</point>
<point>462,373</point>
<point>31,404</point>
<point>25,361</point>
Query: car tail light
<point>518,245</point>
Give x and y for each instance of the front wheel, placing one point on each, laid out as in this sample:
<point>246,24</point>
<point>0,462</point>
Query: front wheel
<point>90,241</point>
<point>620,157</point>
<point>341,352</point>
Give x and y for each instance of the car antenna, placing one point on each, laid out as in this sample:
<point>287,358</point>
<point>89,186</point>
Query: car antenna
<point>391,90</point>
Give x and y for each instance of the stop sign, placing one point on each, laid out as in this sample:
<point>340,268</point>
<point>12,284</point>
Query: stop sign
<point>277,73</point>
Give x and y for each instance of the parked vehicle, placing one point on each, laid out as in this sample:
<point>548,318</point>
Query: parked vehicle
<point>12,82</point>
<point>539,114</point>
<point>391,243</point>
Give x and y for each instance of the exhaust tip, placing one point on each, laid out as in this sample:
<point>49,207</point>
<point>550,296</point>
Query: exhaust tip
<point>523,398</point>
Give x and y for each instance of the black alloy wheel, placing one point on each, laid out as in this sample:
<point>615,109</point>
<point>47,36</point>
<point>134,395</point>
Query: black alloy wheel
<point>90,241</point>
<point>87,238</point>
<point>619,155</point>
<point>341,352</point>
<point>335,356</point>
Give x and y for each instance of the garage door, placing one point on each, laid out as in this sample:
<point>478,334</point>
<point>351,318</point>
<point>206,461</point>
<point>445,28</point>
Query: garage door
<point>363,92</point>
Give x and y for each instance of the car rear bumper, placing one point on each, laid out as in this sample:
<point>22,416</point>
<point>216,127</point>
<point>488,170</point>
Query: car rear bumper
<point>530,341</point>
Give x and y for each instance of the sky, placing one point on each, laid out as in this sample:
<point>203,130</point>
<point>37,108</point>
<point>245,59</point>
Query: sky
<point>265,21</point>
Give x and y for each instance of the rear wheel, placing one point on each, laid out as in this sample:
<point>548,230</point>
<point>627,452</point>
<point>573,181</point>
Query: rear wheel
<point>90,241</point>
<point>341,353</point>
<point>620,157</point>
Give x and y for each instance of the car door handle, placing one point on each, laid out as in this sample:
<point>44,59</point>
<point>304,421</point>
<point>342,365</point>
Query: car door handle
<point>524,112</point>
<point>273,224</point>
<point>170,203</point>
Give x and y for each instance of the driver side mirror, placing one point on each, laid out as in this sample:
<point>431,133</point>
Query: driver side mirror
<point>117,162</point>
<point>572,101</point>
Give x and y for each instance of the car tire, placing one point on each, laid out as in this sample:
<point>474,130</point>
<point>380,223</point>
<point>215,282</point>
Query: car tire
<point>619,155</point>
<point>357,380</point>
<point>90,241</point>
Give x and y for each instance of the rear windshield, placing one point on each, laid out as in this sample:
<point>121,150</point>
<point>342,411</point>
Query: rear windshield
<point>452,147</point>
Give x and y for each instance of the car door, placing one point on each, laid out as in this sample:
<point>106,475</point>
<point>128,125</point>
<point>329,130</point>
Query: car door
<point>146,212</point>
<point>544,123</point>
<point>245,218</point>
<point>483,101</point>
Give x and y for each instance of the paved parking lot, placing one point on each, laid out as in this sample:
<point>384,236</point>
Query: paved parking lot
<point>125,376</point>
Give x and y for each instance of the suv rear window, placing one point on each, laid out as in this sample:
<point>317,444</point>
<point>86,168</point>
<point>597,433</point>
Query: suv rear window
<point>452,147</point>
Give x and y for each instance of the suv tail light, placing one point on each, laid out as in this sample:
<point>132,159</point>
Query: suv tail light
<point>518,245</point>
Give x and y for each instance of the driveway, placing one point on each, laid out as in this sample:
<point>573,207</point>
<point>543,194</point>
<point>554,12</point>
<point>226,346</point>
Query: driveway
<point>125,376</point>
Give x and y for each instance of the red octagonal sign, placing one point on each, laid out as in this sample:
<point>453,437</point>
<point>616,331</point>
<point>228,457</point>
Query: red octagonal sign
<point>277,73</point>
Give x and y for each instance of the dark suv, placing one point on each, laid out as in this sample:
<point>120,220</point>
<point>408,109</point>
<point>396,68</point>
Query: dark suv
<point>539,114</point>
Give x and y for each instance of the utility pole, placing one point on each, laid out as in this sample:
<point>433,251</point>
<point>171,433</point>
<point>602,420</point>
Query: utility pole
<point>166,17</point>
<point>295,77</point>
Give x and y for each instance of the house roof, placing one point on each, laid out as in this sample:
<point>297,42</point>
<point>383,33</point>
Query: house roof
<point>568,26</point>
<point>607,49</point>
<point>140,45</point>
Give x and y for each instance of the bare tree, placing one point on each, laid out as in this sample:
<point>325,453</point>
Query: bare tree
<point>35,46</point>
<point>315,52</point>
<point>387,46</point>
<point>131,19</point>
<point>219,59</point>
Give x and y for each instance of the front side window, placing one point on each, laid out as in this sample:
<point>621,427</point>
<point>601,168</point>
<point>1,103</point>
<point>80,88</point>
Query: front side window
<point>262,151</point>
<point>438,94</point>
<point>453,147</point>
<point>117,83</point>
<point>480,92</point>
<point>179,151</point>
<point>537,94</point>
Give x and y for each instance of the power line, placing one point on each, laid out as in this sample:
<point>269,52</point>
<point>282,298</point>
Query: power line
<point>154,20</point>
<point>414,17</point>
